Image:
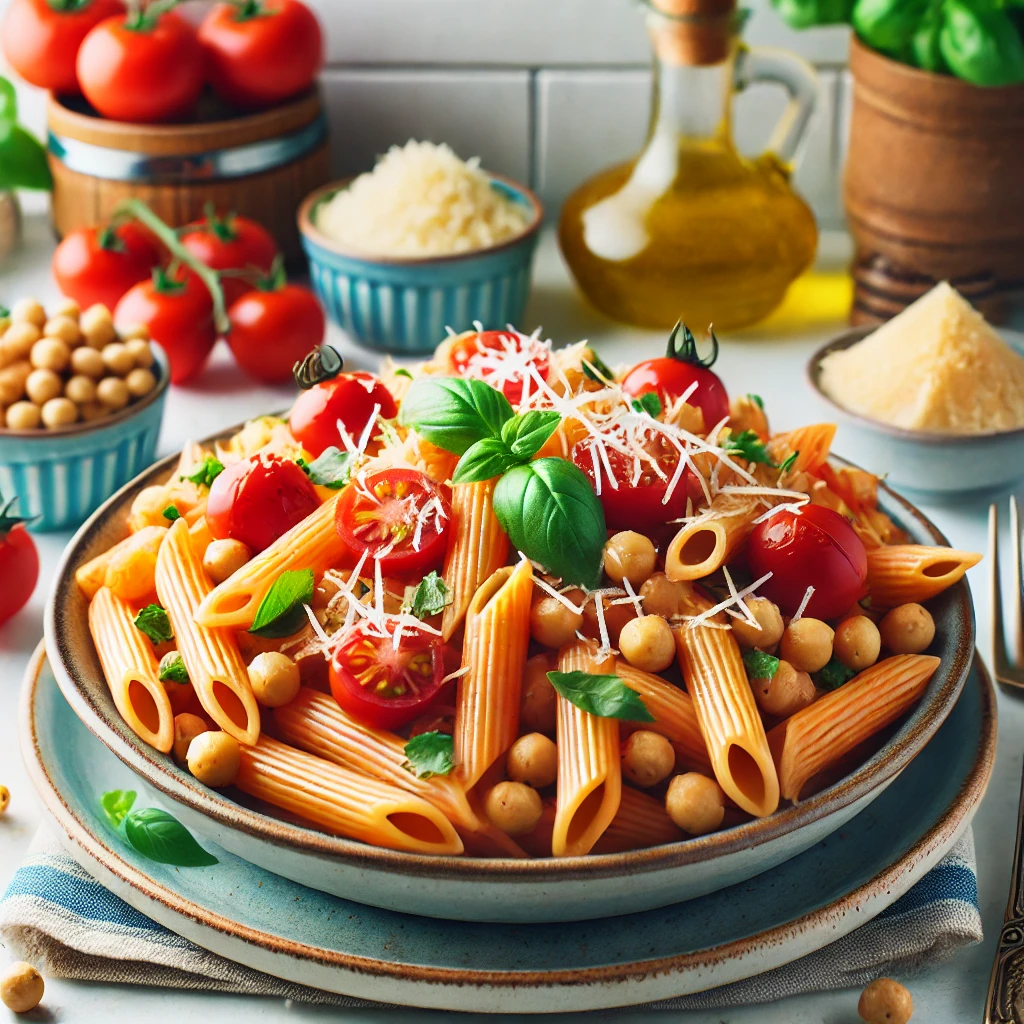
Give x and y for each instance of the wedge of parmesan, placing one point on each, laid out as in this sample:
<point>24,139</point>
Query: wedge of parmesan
<point>938,366</point>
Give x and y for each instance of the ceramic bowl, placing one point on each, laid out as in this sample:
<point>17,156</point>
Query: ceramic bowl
<point>545,889</point>
<point>404,305</point>
<point>63,475</point>
<point>928,466</point>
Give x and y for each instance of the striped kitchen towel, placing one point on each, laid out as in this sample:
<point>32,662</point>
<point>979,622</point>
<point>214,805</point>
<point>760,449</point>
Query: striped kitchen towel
<point>57,916</point>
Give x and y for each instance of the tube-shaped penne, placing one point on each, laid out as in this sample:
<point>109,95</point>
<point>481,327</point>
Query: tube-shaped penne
<point>477,548</point>
<point>131,670</point>
<point>641,821</point>
<point>312,544</point>
<point>810,444</point>
<point>914,572</point>
<point>116,562</point>
<point>494,651</point>
<point>211,656</point>
<point>825,731</point>
<point>703,547</point>
<point>589,768</point>
<point>344,802</point>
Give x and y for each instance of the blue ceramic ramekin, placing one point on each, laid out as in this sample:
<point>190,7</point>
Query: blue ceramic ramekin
<point>405,305</point>
<point>62,476</point>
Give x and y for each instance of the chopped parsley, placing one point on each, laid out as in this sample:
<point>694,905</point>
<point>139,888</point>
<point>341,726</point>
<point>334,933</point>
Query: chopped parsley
<point>153,621</point>
<point>171,513</point>
<point>430,596</point>
<point>204,473</point>
<point>760,665</point>
<point>649,402</point>
<point>172,669</point>
<point>430,753</point>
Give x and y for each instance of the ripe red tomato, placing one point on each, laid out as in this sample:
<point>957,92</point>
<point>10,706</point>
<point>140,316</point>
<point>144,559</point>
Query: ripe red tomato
<point>400,516</point>
<point>178,311</point>
<point>383,687</point>
<point>41,38</point>
<point>672,375</point>
<point>143,69</point>
<point>263,51</point>
<point>482,356</point>
<point>348,398</point>
<point>100,264</point>
<point>19,562</point>
<point>812,547</point>
<point>257,500</point>
<point>231,242</point>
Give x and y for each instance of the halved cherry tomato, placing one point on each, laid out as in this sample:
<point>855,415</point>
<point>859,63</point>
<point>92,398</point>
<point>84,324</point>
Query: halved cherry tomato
<point>810,547</point>
<point>348,399</point>
<point>674,374</point>
<point>400,516</point>
<point>258,499</point>
<point>382,686</point>
<point>19,562</point>
<point>481,355</point>
<point>230,242</point>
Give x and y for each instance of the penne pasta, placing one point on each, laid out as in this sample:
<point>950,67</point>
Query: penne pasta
<point>911,572</point>
<point>93,575</point>
<point>641,822</point>
<point>810,444</point>
<point>702,548</point>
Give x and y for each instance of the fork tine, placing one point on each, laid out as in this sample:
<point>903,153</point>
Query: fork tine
<point>1018,593</point>
<point>998,636</point>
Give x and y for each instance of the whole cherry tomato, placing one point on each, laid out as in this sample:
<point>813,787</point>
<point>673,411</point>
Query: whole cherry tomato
<point>231,242</point>
<point>41,38</point>
<point>674,374</point>
<point>400,516</point>
<point>484,356</point>
<point>256,500</point>
<point>142,68</point>
<point>100,264</point>
<point>19,562</point>
<point>178,311</point>
<point>261,52</point>
<point>809,547</point>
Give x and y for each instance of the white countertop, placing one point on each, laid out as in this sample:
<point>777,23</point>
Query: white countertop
<point>762,361</point>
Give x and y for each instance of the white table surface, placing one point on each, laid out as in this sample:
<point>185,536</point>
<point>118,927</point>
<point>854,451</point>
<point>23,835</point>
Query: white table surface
<point>760,361</point>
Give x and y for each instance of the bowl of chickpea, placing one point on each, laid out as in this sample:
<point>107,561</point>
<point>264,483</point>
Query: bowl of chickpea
<point>80,408</point>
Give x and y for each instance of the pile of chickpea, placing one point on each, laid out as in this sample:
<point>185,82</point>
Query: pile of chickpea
<point>68,366</point>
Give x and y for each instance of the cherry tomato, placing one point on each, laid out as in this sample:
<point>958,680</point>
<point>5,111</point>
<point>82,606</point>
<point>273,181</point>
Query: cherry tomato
<point>19,562</point>
<point>348,398</point>
<point>400,516</point>
<point>811,547</point>
<point>231,243</point>
<point>257,500</point>
<point>41,38</point>
<point>382,686</point>
<point>481,356</point>
<point>100,264</point>
<point>674,374</point>
<point>141,68</point>
<point>178,311</point>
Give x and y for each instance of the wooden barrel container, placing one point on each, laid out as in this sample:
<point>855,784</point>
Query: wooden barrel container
<point>934,187</point>
<point>259,165</point>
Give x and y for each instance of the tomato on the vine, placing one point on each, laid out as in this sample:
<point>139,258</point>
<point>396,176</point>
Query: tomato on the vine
<point>256,500</point>
<point>231,242</point>
<point>484,355</point>
<point>400,517</point>
<point>812,546</point>
<point>671,376</point>
<point>19,562</point>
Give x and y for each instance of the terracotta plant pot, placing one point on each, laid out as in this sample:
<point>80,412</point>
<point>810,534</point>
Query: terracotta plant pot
<point>934,187</point>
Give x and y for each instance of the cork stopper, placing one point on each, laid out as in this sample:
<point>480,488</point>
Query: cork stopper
<point>692,32</point>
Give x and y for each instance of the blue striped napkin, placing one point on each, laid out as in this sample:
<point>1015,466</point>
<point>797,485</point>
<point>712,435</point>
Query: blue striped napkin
<point>57,916</point>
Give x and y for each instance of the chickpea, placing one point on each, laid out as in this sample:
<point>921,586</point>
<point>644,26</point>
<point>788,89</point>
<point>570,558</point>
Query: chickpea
<point>140,351</point>
<point>113,393</point>
<point>19,339</point>
<point>140,382</point>
<point>537,704</point>
<point>97,326</point>
<point>88,362</point>
<point>12,381</point>
<point>885,1001</point>
<point>23,416</point>
<point>42,385</point>
<point>648,643</point>
<point>551,623</point>
<point>50,354</point>
<point>695,803</point>
<point>59,412</point>
<point>29,310</point>
<point>647,758</point>
<point>21,987</point>
<point>214,758</point>
<point>117,359</point>
<point>225,557</point>
<point>513,807</point>
<point>629,556</point>
<point>906,629</point>
<point>533,759</point>
<point>785,693</point>
<point>69,308</point>
<point>807,644</point>
<point>769,619</point>
<point>79,388</point>
<point>5,799</point>
<point>92,411</point>
<point>63,328</point>
<point>274,678</point>
<point>135,332</point>
<point>661,596</point>
<point>857,642</point>
<point>615,618</point>
<point>186,728</point>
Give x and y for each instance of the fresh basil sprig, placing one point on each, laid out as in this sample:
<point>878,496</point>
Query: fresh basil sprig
<point>116,804</point>
<point>429,754</point>
<point>155,834</point>
<point>605,696</point>
<point>833,675</point>
<point>280,613</point>
<point>332,468</point>
<point>760,665</point>
<point>430,596</point>
<point>153,621</point>
<point>172,669</point>
<point>453,412</point>
<point>204,473</point>
<point>521,438</point>
<point>527,433</point>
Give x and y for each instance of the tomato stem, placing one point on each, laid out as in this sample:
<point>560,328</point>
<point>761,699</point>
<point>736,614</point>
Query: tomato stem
<point>68,6</point>
<point>8,521</point>
<point>107,238</point>
<point>144,18</point>
<point>246,10</point>
<point>685,348</point>
<point>322,364</point>
<point>223,227</point>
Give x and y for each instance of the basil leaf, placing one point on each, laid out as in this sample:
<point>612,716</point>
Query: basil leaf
<point>551,513</point>
<point>280,613</point>
<point>788,462</point>
<point>401,371</point>
<point>833,675</point>
<point>757,400</point>
<point>116,805</point>
<point>171,513</point>
<point>596,368</point>
<point>603,696</point>
<point>161,837</point>
<point>486,459</point>
<point>153,621</point>
<point>204,473</point>
<point>430,753</point>
<point>430,596</point>
<point>648,402</point>
<point>454,413</point>
<point>760,665</point>
<point>332,468</point>
<point>750,447</point>
<point>172,669</point>
<point>527,433</point>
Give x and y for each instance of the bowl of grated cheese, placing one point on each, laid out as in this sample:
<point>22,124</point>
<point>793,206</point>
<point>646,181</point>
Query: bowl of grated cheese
<point>423,242</point>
